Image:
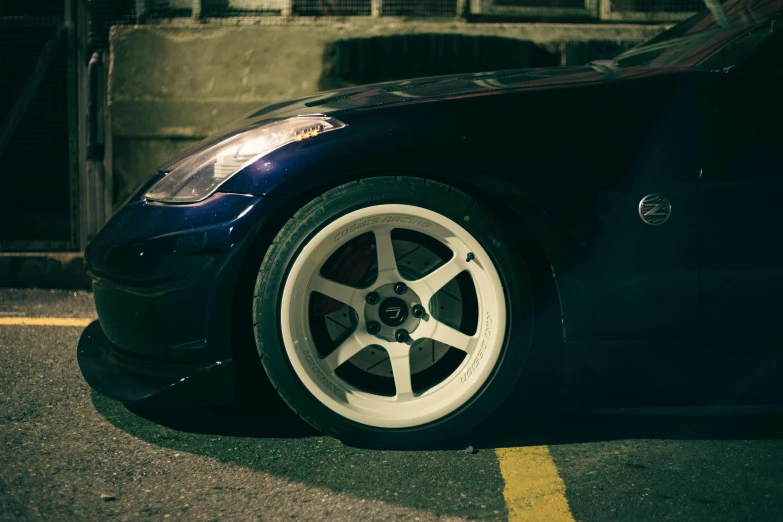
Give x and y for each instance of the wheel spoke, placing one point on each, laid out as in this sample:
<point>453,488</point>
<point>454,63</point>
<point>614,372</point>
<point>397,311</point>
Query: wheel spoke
<point>337,291</point>
<point>385,251</point>
<point>443,333</point>
<point>354,344</point>
<point>401,370</point>
<point>429,285</point>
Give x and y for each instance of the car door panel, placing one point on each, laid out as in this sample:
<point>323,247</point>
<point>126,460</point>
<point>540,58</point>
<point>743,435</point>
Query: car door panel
<point>741,189</point>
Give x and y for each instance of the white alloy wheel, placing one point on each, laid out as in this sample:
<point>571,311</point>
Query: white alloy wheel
<point>374,326</point>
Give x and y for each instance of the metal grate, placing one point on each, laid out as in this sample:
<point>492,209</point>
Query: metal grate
<point>331,7</point>
<point>541,3</point>
<point>652,6</point>
<point>614,10</point>
<point>650,10</point>
<point>34,8</point>
<point>34,125</point>
<point>420,8</point>
<point>105,13</point>
<point>530,7</point>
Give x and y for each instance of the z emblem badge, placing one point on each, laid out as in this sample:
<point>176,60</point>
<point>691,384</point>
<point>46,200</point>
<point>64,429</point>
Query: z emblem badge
<point>654,209</point>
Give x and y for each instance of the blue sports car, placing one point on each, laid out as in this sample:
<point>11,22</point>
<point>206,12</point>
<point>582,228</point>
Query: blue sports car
<point>387,252</point>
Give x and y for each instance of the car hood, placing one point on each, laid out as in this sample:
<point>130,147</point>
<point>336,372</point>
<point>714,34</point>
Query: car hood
<point>425,90</point>
<point>447,87</point>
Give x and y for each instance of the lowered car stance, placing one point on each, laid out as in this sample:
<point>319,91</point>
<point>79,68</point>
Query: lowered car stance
<point>387,252</point>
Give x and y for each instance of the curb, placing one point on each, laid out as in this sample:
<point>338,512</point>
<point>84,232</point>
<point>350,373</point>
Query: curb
<point>64,270</point>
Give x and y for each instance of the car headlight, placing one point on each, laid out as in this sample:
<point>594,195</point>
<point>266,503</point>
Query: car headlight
<point>198,176</point>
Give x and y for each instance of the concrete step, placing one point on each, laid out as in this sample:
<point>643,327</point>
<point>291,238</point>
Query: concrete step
<point>63,270</point>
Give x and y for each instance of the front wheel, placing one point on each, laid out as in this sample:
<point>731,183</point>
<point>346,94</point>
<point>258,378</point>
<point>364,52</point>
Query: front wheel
<point>393,312</point>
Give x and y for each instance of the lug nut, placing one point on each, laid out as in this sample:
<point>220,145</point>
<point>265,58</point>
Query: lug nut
<point>401,336</point>
<point>373,327</point>
<point>418,311</point>
<point>400,288</point>
<point>373,298</point>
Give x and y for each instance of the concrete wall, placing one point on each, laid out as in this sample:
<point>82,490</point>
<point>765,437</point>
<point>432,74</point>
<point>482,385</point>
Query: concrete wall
<point>170,85</point>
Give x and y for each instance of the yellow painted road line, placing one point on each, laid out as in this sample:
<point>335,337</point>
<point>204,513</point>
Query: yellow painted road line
<point>534,489</point>
<point>45,321</point>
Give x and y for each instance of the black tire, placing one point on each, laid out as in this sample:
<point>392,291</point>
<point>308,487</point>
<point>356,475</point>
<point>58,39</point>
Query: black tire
<point>494,236</point>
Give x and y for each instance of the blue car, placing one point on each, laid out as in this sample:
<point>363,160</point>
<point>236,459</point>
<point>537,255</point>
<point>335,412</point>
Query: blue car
<point>392,255</point>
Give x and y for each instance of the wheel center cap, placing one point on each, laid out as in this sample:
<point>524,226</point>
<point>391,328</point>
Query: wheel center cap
<point>393,311</point>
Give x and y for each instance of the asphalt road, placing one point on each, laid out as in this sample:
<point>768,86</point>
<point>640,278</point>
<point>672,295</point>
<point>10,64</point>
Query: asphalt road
<point>67,453</point>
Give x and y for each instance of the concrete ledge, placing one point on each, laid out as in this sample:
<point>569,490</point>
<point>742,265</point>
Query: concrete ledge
<point>177,119</point>
<point>43,270</point>
<point>184,82</point>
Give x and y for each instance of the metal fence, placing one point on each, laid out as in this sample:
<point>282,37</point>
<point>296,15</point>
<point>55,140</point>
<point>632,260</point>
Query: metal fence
<point>215,11</point>
<point>37,126</point>
<point>604,10</point>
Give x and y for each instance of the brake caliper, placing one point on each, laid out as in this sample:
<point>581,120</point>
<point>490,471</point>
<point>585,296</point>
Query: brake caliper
<point>350,267</point>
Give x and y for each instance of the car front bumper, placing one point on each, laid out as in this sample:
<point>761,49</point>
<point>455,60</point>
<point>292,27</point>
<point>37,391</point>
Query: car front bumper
<point>141,382</point>
<point>165,280</point>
